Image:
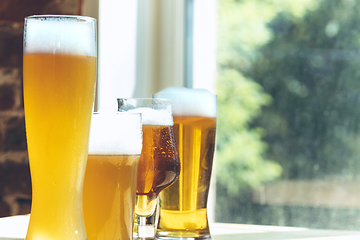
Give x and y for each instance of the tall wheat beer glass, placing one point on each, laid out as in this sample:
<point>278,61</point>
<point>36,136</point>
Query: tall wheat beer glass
<point>110,178</point>
<point>59,78</point>
<point>159,164</point>
<point>183,206</point>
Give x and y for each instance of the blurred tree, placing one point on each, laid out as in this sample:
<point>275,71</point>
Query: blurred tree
<point>311,69</point>
<point>240,149</point>
<point>291,71</point>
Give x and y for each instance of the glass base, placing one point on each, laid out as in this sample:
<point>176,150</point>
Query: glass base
<point>182,235</point>
<point>145,232</point>
<point>144,227</point>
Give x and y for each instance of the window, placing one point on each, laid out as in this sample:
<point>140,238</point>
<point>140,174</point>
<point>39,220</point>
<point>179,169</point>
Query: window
<point>288,148</point>
<point>287,79</point>
<point>146,46</point>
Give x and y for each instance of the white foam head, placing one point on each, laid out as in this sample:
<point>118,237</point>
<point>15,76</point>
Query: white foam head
<point>190,102</point>
<point>154,117</point>
<point>115,133</point>
<point>59,34</point>
<point>153,113</point>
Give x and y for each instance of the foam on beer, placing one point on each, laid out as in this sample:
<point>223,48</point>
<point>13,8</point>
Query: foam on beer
<point>115,133</point>
<point>154,117</point>
<point>190,102</point>
<point>59,36</point>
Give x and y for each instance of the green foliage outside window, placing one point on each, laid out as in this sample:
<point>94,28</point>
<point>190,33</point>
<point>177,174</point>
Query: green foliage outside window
<point>289,95</point>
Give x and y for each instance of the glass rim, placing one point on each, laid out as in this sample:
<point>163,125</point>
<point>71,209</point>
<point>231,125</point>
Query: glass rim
<point>46,17</point>
<point>146,99</point>
<point>115,112</point>
<point>168,101</point>
<point>145,102</point>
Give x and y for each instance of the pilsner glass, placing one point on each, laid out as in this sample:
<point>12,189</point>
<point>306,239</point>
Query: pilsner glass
<point>59,79</point>
<point>159,164</point>
<point>183,206</point>
<point>110,178</point>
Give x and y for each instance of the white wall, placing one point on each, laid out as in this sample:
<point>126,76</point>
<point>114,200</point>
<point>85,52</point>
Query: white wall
<point>117,51</point>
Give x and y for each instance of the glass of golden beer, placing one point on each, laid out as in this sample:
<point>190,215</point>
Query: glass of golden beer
<point>159,164</point>
<point>59,75</point>
<point>110,178</point>
<point>183,206</point>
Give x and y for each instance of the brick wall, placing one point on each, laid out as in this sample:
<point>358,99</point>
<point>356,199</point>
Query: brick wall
<point>15,183</point>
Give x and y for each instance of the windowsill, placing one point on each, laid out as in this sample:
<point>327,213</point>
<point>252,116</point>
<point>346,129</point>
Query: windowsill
<point>14,228</point>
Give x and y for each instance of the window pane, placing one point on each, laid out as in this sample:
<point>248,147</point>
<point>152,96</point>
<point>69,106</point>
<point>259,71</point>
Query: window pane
<point>288,119</point>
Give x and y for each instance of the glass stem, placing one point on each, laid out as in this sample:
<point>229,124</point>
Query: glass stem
<point>146,227</point>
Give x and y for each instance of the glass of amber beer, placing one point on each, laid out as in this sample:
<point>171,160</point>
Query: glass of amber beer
<point>110,178</point>
<point>159,164</point>
<point>59,75</point>
<point>183,206</point>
